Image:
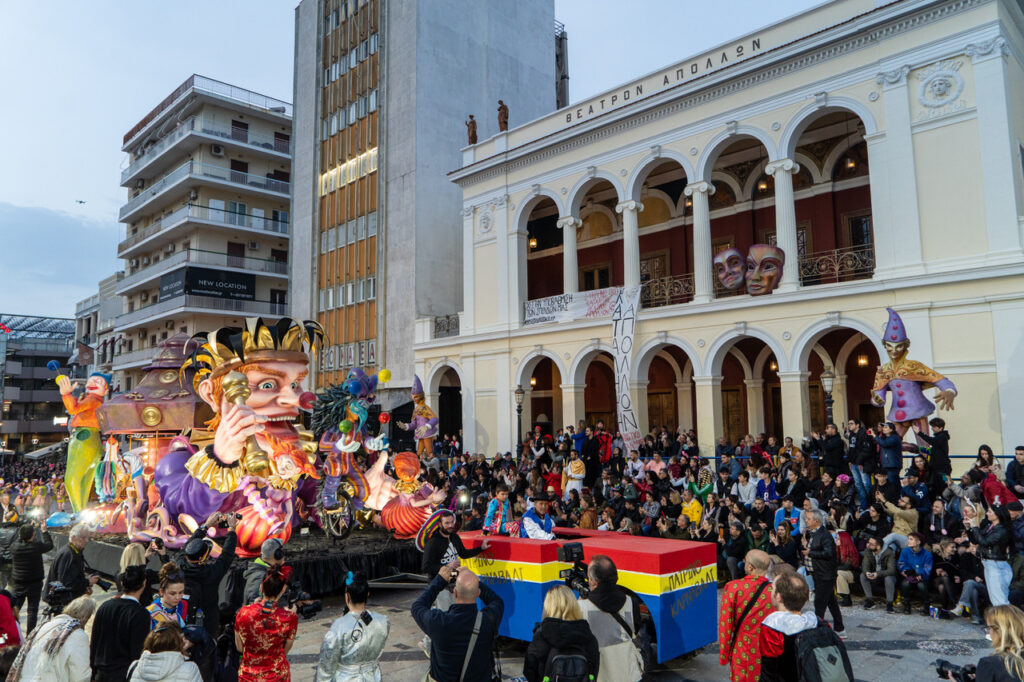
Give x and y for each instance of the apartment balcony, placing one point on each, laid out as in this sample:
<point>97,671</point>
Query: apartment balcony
<point>161,193</point>
<point>212,90</point>
<point>133,359</point>
<point>87,305</point>
<point>196,130</point>
<point>193,303</point>
<point>263,266</point>
<point>663,291</point>
<point>166,226</point>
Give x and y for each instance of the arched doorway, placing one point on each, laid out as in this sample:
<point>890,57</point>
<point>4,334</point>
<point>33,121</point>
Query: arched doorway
<point>666,235</point>
<point>544,398</point>
<point>543,251</point>
<point>449,403</point>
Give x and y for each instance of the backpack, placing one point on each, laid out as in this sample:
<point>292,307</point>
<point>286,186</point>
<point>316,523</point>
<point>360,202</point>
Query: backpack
<point>821,656</point>
<point>566,667</point>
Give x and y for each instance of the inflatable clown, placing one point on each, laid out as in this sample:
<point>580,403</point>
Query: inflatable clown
<point>85,449</point>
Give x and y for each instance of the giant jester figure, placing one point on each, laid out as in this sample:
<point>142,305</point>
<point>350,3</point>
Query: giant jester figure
<point>85,449</point>
<point>423,423</point>
<point>253,461</point>
<point>907,380</point>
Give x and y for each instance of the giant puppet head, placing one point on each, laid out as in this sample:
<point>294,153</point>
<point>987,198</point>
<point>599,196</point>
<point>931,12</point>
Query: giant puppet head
<point>98,384</point>
<point>274,360</point>
<point>894,337</point>
<point>730,269</point>
<point>764,268</point>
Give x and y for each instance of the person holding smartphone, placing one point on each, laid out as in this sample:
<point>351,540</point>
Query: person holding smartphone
<point>27,574</point>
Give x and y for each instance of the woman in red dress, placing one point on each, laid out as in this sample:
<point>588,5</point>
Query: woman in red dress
<point>265,632</point>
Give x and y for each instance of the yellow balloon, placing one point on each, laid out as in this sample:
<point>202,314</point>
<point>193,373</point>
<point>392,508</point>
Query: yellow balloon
<point>384,375</point>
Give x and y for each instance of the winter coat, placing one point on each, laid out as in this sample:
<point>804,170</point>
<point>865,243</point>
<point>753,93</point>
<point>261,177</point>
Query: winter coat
<point>994,542</point>
<point>904,521</point>
<point>884,565</point>
<point>568,637</point>
<point>166,666</point>
<point>891,447</point>
<point>833,453</point>
<point>919,561</point>
<point>70,663</point>
<point>862,451</point>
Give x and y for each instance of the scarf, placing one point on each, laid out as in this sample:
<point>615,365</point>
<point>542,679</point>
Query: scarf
<point>53,644</point>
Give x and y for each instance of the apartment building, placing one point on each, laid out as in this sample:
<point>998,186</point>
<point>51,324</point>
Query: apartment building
<point>383,91</point>
<point>30,396</point>
<point>207,225</point>
<point>95,318</point>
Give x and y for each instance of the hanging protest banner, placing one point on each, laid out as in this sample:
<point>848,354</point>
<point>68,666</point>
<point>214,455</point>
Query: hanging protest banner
<point>623,327</point>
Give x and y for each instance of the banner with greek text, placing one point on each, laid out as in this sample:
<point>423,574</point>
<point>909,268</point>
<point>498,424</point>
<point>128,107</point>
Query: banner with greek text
<point>623,327</point>
<point>566,307</point>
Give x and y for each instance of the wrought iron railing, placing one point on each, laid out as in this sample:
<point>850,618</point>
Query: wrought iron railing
<point>213,215</point>
<point>837,265</point>
<point>446,325</point>
<point>672,290</point>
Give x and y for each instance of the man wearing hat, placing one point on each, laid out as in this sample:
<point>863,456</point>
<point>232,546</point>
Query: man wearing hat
<point>537,524</point>
<point>203,576</point>
<point>916,491</point>
<point>271,554</point>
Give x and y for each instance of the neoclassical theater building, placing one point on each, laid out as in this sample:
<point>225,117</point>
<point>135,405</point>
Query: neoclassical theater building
<point>878,144</point>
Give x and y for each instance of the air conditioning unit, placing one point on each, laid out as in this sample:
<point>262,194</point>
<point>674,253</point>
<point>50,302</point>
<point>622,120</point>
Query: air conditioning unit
<point>169,324</point>
<point>254,246</point>
<point>140,183</point>
<point>145,260</point>
<point>134,263</point>
<point>170,248</point>
<point>217,149</point>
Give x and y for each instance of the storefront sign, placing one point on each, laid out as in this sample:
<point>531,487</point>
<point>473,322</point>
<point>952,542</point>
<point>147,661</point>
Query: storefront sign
<point>627,303</point>
<point>207,282</point>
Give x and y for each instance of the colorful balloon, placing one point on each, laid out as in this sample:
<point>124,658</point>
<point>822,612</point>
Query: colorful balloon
<point>345,426</point>
<point>384,417</point>
<point>384,375</point>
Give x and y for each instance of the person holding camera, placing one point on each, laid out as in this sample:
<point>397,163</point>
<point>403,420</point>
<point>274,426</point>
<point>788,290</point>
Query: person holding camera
<point>68,568</point>
<point>203,576</point>
<point>27,568</point>
<point>613,613</point>
<point>271,554</point>
<point>461,638</point>
<point>354,643</point>
<point>265,632</point>
<point>1004,627</point>
<point>119,629</point>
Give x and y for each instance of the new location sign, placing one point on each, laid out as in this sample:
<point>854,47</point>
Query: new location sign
<point>207,282</point>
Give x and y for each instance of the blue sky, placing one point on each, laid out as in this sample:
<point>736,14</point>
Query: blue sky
<point>77,75</point>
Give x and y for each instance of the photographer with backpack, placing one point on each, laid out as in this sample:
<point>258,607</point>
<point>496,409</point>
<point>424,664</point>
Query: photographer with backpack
<point>563,647</point>
<point>613,613</point>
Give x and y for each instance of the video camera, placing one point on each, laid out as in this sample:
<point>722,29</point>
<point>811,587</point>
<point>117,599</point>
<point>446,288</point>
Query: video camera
<point>576,578</point>
<point>309,606</point>
<point>960,673</point>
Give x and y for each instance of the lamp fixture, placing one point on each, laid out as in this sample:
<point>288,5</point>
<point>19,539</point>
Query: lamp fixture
<point>533,242</point>
<point>520,394</point>
<point>850,163</point>
<point>773,366</point>
<point>533,381</point>
<point>762,185</point>
<point>828,378</point>
<point>862,360</point>
<point>689,203</point>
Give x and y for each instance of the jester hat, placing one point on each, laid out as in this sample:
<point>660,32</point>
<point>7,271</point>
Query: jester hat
<point>894,330</point>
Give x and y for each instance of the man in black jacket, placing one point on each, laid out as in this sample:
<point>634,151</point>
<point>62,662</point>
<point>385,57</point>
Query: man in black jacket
<point>202,576</point>
<point>863,457</point>
<point>68,567</point>
<point>119,629</point>
<point>832,450</point>
<point>450,631</point>
<point>821,549</point>
<point>445,546</point>
<point>27,568</point>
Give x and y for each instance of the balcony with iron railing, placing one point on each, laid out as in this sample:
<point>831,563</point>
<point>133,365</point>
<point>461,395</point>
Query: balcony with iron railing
<point>199,303</point>
<point>201,127</point>
<point>220,176</point>
<point>205,215</point>
<point>446,325</point>
<point>203,85</point>
<point>263,266</point>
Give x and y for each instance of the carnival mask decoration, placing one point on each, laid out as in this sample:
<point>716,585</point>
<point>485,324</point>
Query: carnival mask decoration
<point>730,269</point>
<point>764,268</point>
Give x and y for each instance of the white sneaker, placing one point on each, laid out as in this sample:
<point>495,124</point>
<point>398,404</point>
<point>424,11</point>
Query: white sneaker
<point>958,611</point>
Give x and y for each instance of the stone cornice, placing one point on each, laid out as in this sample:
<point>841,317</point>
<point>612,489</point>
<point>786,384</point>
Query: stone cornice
<point>714,86</point>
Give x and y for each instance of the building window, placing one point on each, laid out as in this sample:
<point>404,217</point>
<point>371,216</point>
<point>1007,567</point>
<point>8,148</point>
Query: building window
<point>327,76</point>
<point>323,242</point>
<point>595,277</point>
<point>359,291</point>
<point>373,100</point>
<point>352,112</point>
<point>322,298</point>
<point>371,224</point>
<point>323,133</point>
<point>373,44</point>
<point>362,106</point>
<point>361,229</point>
<point>353,59</point>
<point>327,24</point>
<point>351,295</point>
<point>340,294</point>
<point>334,19</point>
<point>371,288</point>
<point>364,51</point>
<point>352,232</point>
<point>334,124</point>
<point>330,240</point>
<point>341,119</point>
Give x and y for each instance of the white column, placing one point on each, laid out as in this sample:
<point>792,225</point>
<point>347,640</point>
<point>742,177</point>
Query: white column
<point>755,405</point>
<point>998,146</point>
<point>527,409</point>
<point>508,260</point>
<point>638,394</point>
<point>570,274</point>
<point>468,389</point>
<point>573,409</point>
<point>1008,335</point>
<point>796,405</point>
<point>709,411</point>
<point>785,220</point>
<point>899,226</point>
<point>684,404</point>
<point>630,241</point>
<point>468,272</point>
<point>703,284</point>
<point>840,405</point>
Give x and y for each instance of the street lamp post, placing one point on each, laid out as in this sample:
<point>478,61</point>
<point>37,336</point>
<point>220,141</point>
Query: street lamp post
<point>828,378</point>
<point>520,394</point>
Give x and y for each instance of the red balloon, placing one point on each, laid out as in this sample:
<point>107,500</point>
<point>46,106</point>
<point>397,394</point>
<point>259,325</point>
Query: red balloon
<point>384,418</point>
